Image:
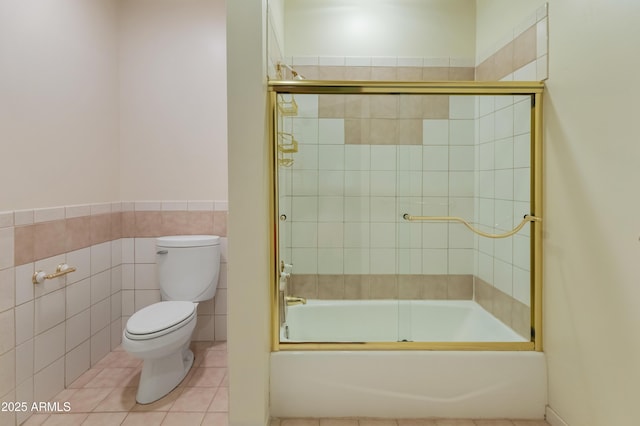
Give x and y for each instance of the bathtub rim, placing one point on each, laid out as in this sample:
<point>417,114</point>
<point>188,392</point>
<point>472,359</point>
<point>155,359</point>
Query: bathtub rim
<point>521,346</point>
<point>406,346</point>
<point>468,345</point>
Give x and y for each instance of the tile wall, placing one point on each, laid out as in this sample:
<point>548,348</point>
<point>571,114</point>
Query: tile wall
<point>503,193</point>
<point>365,160</point>
<point>369,286</point>
<point>384,68</point>
<point>520,55</point>
<point>51,333</point>
<point>345,201</point>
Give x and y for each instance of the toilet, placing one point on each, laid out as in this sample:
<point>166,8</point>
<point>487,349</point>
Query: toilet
<point>159,334</point>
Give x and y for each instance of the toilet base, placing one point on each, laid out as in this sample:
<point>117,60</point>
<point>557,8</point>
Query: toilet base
<point>161,375</point>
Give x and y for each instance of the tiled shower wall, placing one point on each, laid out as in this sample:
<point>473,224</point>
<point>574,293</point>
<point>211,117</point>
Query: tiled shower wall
<point>344,197</point>
<point>520,55</point>
<point>347,197</point>
<point>52,332</point>
<point>503,193</point>
<point>372,139</point>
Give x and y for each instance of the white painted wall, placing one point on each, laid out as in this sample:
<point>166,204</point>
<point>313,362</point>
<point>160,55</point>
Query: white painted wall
<point>173,100</point>
<point>249,215</point>
<point>58,103</point>
<point>276,20</point>
<point>496,19</point>
<point>592,212</point>
<point>408,28</point>
<point>591,215</point>
<point>108,100</point>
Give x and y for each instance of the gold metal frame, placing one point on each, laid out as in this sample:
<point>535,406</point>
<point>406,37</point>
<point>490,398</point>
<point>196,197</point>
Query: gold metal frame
<point>534,89</point>
<point>527,218</point>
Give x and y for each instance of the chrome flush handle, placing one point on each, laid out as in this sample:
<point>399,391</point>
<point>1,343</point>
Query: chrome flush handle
<point>162,252</point>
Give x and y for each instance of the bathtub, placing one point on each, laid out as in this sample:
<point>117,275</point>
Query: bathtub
<point>393,320</point>
<point>404,384</point>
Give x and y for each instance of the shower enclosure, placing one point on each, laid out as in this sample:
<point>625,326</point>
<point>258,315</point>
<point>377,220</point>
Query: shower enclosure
<point>406,215</point>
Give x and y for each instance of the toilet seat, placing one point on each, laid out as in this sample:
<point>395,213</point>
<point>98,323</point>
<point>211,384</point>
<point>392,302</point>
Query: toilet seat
<point>159,319</point>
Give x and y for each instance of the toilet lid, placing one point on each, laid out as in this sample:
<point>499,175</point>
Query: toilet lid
<point>160,316</point>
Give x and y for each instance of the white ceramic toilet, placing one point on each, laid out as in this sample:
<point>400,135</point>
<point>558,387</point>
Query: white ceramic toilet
<point>188,268</point>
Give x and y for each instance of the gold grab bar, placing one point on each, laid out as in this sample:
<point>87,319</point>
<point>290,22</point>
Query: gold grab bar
<point>527,218</point>
<point>62,269</point>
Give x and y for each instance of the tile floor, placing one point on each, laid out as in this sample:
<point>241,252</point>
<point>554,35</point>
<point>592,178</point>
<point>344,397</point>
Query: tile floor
<point>105,396</point>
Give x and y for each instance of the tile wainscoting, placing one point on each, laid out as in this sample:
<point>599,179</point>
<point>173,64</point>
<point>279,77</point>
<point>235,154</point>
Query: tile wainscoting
<point>389,286</point>
<point>51,333</point>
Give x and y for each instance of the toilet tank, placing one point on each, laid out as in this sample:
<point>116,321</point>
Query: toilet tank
<point>188,266</point>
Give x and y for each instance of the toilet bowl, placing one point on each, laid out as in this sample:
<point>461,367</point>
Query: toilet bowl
<point>160,333</point>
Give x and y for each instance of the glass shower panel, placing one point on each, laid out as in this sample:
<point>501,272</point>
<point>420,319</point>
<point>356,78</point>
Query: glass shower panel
<point>338,211</point>
<point>372,189</point>
<point>435,179</point>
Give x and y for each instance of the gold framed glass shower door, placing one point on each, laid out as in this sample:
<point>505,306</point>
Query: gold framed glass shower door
<point>365,107</point>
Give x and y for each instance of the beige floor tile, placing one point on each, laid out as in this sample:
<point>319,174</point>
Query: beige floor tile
<point>214,359</point>
<point>300,422</point>
<point>530,423</point>
<point>36,419</point>
<point>416,422</point>
<point>134,380</point>
<point>104,419</point>
<point>494,422</point>
<point>9,417</point>
<point>377,422</point>
<point>338,422</point>
<point>219,346</point>
<point>86,399</point>
<point>118,359</point>
<point>113,377</point>
<point>188,377</point>
<point>216,419</point>
<point>193,399</point>
<point>454,422</point>
<point>85,378</point>
<point>220,401</point>
<point>120,399</point>
<point>183,419</point>
<point>201,345</point>
<point>198,356</point>
<point>163,404</point>
<point>64,395</point>
<point>144,419</point>
<point>66,419</point>
<point>207,377</point>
